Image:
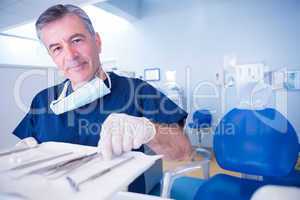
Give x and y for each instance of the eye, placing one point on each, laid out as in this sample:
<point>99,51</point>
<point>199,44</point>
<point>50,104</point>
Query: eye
<point>56,50</point>
<point>76,40</point>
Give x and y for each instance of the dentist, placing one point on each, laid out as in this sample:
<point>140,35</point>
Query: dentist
<point>95,108</point>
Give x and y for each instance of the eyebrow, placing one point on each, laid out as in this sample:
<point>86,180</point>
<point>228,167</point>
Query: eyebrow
<point>52,45</point>
<point>70,38</point>
<point>77,35</point>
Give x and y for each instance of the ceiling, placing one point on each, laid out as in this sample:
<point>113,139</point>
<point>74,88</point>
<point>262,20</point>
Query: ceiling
<point>18,12</point>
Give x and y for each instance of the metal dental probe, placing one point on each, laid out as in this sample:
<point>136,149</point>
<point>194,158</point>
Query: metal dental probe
<point>55,166</point>
<point>71,167</point>
<point>36,162</point>
<point>75,186</point>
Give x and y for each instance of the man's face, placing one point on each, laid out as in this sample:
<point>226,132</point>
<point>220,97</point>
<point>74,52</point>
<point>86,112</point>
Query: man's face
<point>73,48</point>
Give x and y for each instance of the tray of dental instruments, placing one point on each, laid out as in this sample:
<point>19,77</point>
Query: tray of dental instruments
<point>60,170</point>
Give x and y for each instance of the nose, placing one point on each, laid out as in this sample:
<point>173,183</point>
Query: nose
<point>71,53</point>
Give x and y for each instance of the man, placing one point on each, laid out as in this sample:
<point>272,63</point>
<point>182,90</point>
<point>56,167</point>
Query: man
<point>92,107</point>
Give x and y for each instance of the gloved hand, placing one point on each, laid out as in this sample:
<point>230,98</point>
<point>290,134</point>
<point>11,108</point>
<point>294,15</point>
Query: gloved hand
<point>121,133</point>
<point>28,142</point>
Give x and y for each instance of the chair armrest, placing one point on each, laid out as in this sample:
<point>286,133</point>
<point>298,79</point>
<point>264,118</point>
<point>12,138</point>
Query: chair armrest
<point>171,175</point>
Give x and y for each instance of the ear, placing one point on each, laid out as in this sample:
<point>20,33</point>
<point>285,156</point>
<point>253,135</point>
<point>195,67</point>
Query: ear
<point>98,42</point>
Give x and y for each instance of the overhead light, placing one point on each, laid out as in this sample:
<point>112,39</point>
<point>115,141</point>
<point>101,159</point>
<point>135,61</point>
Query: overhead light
<point>102,20</point>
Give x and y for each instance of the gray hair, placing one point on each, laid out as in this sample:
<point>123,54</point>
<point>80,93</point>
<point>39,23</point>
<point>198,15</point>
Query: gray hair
<point>59,11</point>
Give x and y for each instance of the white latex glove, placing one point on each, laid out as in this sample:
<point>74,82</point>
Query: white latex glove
<point>121,133</point>
<point>28,142</point>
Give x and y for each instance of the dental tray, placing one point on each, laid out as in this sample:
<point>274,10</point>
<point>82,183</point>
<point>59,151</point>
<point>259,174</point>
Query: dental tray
<point>106,177</point>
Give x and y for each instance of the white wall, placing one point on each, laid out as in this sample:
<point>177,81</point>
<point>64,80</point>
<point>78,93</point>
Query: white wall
<point>18,86</point>
<point>16,51</point>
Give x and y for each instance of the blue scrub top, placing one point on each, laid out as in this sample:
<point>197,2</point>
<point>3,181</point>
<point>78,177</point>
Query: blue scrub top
<point>83,125</point>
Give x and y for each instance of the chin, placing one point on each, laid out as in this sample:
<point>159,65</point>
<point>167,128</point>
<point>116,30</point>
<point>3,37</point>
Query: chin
<point>79,78</point>
<point>83,74</point>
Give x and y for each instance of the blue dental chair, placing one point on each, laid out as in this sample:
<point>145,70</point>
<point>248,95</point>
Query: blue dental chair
<point>201,119</point>
<point>292,179</point>
<point>201,128</point>
<point>256,143</point>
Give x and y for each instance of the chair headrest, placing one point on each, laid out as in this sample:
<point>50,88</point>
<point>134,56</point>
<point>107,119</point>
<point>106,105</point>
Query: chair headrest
<point>201,119</point>
<point>245,141</point>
